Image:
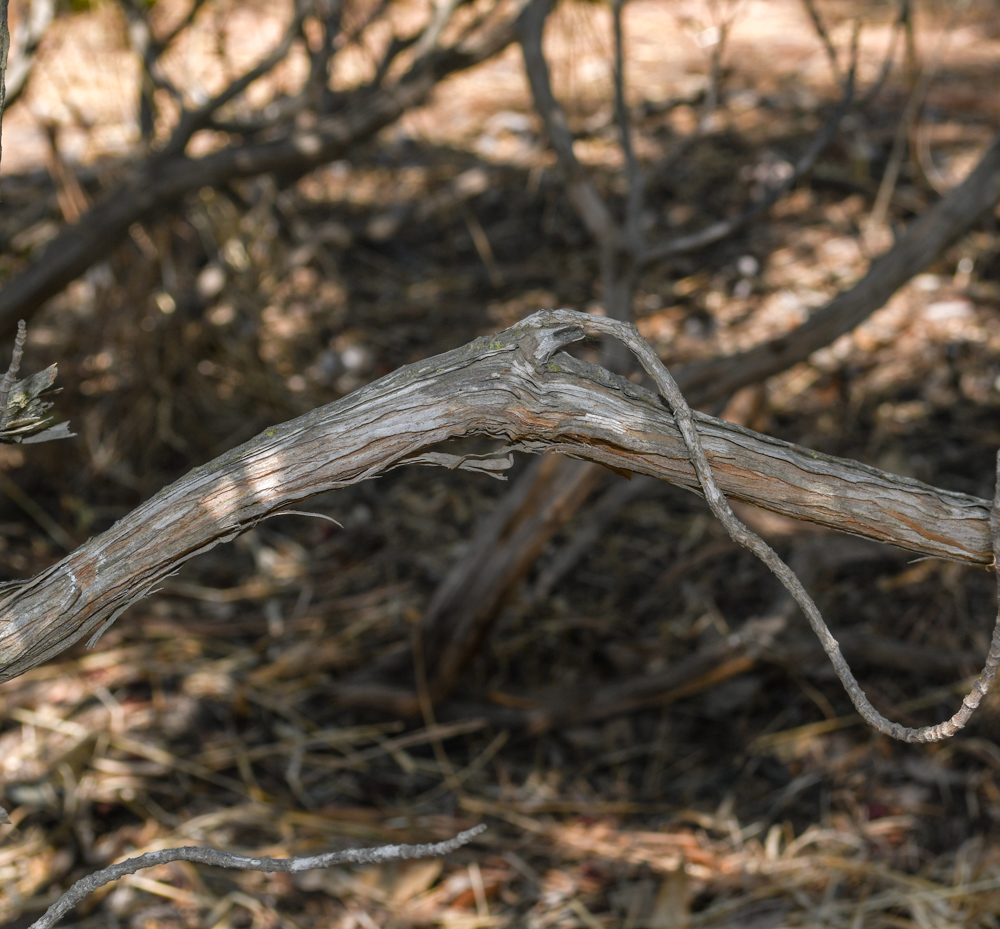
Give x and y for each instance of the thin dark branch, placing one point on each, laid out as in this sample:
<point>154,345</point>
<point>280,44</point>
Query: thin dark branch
<point>634,200</point>
<point>393,50</point>
<point>887,62</point>
<point>148,48</point>
<point>4,49</point>
<point>84,887</point>
<point>582,194</point>
<point>431,35</point>
<point>279,112</point>
<point>193,120</point>
<point>188,19</point>
<point>726,227</point>
<point>925,239</point>
<point>329,14</point>
<point>374,15</point>
<point>720,507</point>
<point>909,117</point>
<point>479,19</point>
<point>427,42</point>
<point>824,37</point>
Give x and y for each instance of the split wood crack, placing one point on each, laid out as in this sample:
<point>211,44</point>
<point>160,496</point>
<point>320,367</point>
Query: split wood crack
<point>517,386</point>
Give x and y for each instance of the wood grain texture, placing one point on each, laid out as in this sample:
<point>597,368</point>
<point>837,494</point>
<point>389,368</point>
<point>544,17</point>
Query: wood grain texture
<point>517,386</point>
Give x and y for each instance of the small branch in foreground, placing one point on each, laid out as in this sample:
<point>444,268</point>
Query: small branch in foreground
<point>739,532</point>
<point>87,885</point>
<point>24,414</point>
<point>8,379</point>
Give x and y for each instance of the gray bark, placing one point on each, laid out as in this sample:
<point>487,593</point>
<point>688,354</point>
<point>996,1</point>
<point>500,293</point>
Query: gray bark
<point>516,386</point>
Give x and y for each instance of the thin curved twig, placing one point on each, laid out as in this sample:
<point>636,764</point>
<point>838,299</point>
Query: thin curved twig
<point>909,117</point>
<point>87,885</point>
<point>824,37</point>
<point>582,194</point>
<point>720,507</point>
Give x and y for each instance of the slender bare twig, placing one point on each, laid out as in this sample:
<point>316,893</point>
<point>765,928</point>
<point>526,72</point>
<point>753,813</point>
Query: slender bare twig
<point>11,374</point>
<point>183,24</point>
<point>314,92</point>
<point>329,14</point>
<point>393,50</point>
<point>585,199</point>
<point>824,37</point>
<point>722,24</point>
<point>211,856</point>
<point>200,117</point>
<point>4,48</point>
<point>726,227</point>
<point>720,507</point>
<point>150,49</point>
<point>356,30</point>
<point>887,62</point>
<point>633,203</point>
<point>431,35</point>
<point>911,113</point>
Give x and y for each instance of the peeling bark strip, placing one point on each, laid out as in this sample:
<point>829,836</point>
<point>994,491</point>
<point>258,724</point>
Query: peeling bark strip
<point>516,386</point>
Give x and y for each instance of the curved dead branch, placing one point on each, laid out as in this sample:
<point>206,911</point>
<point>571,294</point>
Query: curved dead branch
<point>516,386</point>
<point>740,533</point>
<point>925,239</point>
<point>84,887</point>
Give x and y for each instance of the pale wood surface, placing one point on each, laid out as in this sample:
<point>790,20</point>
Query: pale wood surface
<point>516,386</point>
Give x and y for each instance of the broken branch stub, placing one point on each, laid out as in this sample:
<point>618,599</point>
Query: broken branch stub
<point>24,411</point>
<point>516,386</point>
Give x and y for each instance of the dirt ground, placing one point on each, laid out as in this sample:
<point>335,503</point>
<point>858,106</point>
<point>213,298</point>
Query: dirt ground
<point>755,797</point>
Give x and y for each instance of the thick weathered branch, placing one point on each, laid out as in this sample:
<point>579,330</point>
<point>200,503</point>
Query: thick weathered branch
<point>516,386</point>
